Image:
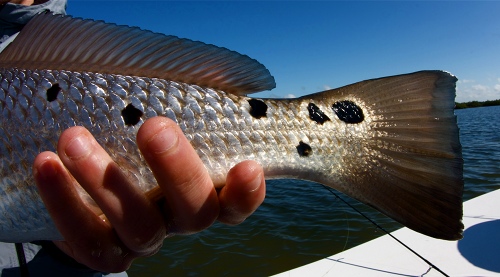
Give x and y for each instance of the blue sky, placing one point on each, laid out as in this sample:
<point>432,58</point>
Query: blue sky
<point>311,46</point>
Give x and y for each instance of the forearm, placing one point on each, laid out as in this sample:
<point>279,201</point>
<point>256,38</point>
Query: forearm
<point>21,2</point>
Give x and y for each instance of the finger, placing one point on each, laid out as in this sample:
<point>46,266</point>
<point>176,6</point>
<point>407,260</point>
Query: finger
<point>137,221</point>
<point>58,191</point>
<point>245,190</point>
<point>189,193</point>
<point>88,239</point>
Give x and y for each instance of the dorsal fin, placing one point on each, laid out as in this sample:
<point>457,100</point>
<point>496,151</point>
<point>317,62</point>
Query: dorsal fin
<point>60,42</point>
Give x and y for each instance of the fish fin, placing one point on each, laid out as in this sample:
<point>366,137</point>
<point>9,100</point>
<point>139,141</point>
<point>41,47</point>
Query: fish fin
<point>60,42</point>
<point>414,172</point>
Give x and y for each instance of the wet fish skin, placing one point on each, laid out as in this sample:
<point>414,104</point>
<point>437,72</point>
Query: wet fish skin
<point>219,126</point>
<point>390,142</point>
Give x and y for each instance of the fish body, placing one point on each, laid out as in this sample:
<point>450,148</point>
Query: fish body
<point>390,142</point>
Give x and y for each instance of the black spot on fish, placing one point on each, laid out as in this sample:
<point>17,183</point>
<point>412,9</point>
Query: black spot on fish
<point>348,111</point>
<point>304,149</point>
<point>317,114</point>
<point>258,108</point>
<point>52,92</point>
<point>131,115</point>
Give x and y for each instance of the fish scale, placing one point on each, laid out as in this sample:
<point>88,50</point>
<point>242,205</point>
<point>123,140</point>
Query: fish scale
<point>85,100</point>
<point>391,143</point>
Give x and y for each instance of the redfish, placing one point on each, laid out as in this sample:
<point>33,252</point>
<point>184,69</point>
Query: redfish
<point>392,142</point>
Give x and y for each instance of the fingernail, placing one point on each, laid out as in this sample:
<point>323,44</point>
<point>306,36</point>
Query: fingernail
<point>46,170</point>
<point>255,183</point>
<point>78,147</point>
<point>163,141</point>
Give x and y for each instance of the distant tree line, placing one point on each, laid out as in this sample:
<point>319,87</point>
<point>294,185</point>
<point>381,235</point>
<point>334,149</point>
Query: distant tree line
<point>476,104</point>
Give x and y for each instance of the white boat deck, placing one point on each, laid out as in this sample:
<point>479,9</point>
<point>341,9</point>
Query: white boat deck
<point>477,254</point>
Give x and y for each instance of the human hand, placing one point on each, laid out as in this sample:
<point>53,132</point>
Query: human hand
<point>135,226</point>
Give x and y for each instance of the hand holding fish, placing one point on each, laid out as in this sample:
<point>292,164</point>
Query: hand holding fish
<point>134,225</point>
<point>391,143</point>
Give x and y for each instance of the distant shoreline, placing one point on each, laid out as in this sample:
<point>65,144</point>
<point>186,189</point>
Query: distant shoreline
<point>477,104</point>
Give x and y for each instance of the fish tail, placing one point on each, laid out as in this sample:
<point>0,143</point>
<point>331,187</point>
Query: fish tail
<point>413,171</point>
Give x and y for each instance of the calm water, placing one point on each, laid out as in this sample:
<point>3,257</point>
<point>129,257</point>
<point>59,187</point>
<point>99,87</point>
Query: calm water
<point>301,222</point>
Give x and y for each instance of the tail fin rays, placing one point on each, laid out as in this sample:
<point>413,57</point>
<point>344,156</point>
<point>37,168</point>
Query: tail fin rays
<point>415,172</point>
